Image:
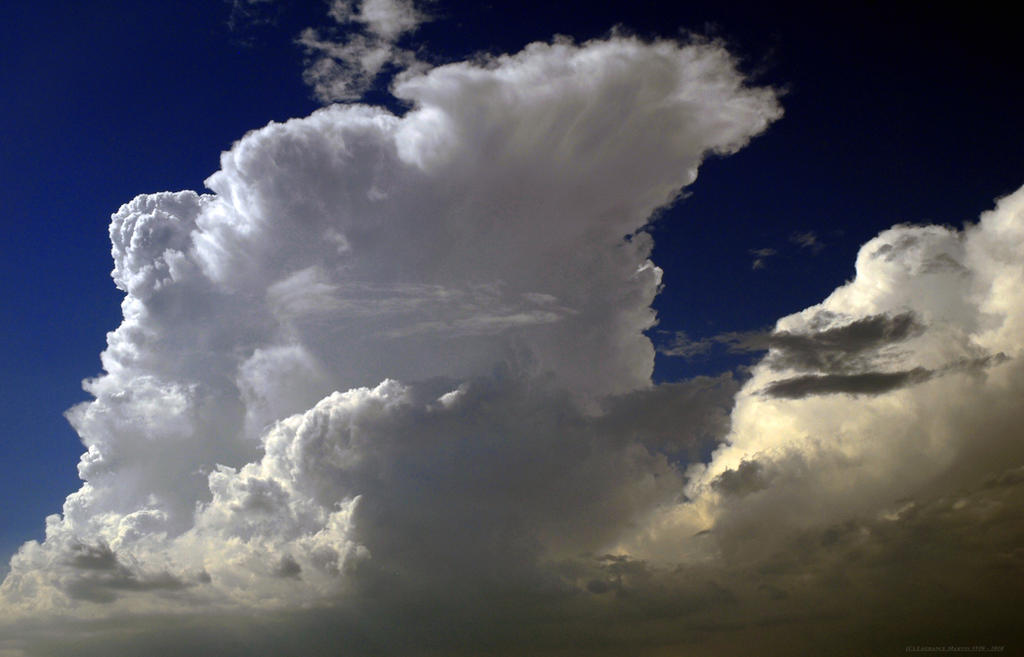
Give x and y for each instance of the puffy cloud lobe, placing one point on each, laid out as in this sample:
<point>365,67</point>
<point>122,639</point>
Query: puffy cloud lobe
<point>151,241</point>
<point>475,487</point>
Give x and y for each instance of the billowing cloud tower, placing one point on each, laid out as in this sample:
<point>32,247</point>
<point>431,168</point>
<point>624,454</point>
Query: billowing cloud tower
<point>485,249</point>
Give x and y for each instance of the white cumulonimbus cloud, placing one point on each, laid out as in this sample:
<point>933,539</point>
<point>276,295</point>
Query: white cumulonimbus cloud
<point>386,390</point>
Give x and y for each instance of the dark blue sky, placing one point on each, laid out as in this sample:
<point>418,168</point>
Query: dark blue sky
<point>892,115</point>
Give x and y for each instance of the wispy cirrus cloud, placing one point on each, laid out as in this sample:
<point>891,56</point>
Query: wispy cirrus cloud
<point>807,239</point>
<point>344,62</point>
<point>761,257</point>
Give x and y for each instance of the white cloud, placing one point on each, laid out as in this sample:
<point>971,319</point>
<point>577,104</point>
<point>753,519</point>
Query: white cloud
<point>386,390</point>
<point>473,248</point>
<point>344,67</point>
<point>920,348</point>
<point>388,19</point>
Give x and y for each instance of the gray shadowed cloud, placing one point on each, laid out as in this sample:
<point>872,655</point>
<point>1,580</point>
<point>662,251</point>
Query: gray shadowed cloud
<point>872,383</point>
<point>748,477</point>
<point>864,383</point>
<point>95,574</point>
<point>829,344</point>
<point>840,348</point>
<point>841,358</point>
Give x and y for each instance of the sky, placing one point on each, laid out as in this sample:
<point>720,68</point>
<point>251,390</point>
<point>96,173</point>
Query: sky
<point>474,360</point>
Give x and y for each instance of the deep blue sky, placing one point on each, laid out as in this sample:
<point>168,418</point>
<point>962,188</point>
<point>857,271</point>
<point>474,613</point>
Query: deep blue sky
<point>892,115</point>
